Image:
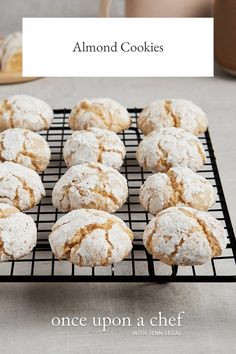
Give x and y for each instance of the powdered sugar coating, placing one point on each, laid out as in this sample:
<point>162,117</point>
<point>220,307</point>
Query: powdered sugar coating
<point>88,237</point>
<point>18,233</point>
<point>184,236</point>
<point>24,147</point>
<point>177,113</point>
<point>94,145</point>
<point>12,53</point>
<point>179,186</point>
<point>20,186</point>
<point>22,111</point>
<point>93,186</point>
<point>159,151</point>
<point>102,113</point>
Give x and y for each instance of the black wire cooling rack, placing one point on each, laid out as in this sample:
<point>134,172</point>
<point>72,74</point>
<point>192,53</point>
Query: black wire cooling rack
<point>41,266</point>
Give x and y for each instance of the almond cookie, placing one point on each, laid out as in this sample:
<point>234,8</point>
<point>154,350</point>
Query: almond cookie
<point>93,186</point>
<point>18,233</point>
<point>184,236</point>
<point>94,145</point>
<point>179,186</point>
<point>101,113</point>
<point>159,151</point>
<point>24,147</point>
<point>172,113</point>
<point>12,53</point>
<point>90,238</point>
<point>22,111</point>
<point>20,186</point>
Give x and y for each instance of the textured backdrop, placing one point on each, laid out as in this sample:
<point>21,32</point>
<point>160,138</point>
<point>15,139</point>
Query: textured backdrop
<point>11,11</point>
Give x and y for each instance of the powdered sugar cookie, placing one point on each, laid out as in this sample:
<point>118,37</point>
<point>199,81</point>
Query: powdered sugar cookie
<point>24,147</point>
<point>184,236</point>
<point>159,151</point>
<point>176,113</point>
<point>20,186</point>
<point>12,53</point>
<point>93,186</point>
<point>94,145</point>
<point>101,113</point>
<point>88,237</point>
<point>18,233</point>
<point>22,111</point>
<point>179,186</point>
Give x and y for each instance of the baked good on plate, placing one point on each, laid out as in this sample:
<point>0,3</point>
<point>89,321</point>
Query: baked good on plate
<point>11,48</point>
<point>93,186</point>
<point>18,233</point>
<point>89,237</point>
<point>20,186</point>
<point>23,111</point>
<point>102,113</point>
<point>94,145</point>
<point>176,113</point>
<point>24,147</point>
<point>179,186</point>
<point>184,236</point>
<point>159,151</point>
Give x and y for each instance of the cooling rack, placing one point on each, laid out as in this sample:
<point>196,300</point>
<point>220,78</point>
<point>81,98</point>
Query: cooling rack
<point>41,266</point>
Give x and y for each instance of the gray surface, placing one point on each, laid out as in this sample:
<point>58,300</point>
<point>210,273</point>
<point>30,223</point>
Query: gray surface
<point>209,326</point>
<point>11,11</point>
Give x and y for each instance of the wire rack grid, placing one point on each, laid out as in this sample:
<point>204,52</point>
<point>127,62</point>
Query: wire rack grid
<point>41,266</point>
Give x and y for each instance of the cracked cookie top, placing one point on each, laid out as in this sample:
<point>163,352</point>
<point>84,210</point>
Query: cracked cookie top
<point>184,236</point>
<point>94,145</point>
<point>101,113</point>
<point>20,186</point>
<point>22,111</point>
<point>24,147</point>
<point>18,233</point>
<point>92,185</point>
<point>12,53</point>
<point>179,186</point>
<point>159,151</point>
<point>88,237</point>
<point>176,113</point>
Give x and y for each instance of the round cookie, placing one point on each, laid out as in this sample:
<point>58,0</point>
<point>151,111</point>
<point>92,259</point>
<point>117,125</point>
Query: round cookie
<point>184,236</point>
<point>24,147</point>
<point>101,113</point>
<point>179,186</point>
<point>93,186</point>
<point>176,113</point>
<point>20,186</point>
<point>94,145</point>
<point>22,111</point>
<point>159,151</point>
<point>89,237</point>
<point>18,233</point>
<point>11,47</point>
